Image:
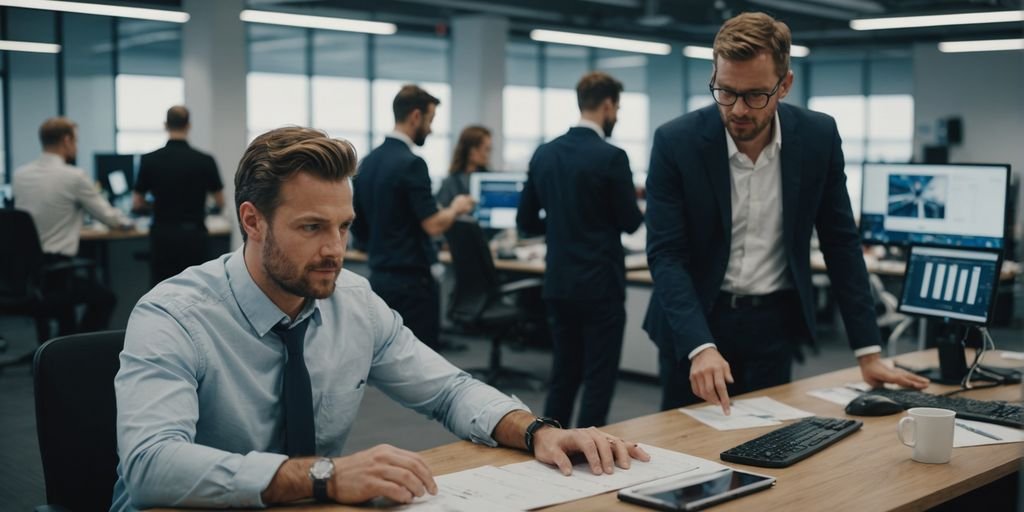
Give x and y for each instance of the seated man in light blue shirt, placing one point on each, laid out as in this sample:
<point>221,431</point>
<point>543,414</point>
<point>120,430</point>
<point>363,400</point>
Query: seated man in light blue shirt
<point>216,407</point>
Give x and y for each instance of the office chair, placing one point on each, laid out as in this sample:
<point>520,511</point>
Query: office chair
<point>476,302</point>
<point>28,286</point>
<point>76,419</point>
<point>889,318</point>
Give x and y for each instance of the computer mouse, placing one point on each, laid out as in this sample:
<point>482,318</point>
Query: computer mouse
<point>872,405</point>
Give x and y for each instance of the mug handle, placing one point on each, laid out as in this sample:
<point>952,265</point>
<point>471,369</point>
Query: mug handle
<point>899,431</point>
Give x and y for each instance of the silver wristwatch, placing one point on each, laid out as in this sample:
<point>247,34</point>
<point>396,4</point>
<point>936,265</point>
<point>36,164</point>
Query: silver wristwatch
<point>320,473</point>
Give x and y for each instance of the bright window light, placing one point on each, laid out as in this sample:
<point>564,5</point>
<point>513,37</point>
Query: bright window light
<point>100,10</point>
<point>937,20</point>
<point>321,22</point>
<point>23,46</point>
<point>593,41</point>
<point>990,45</point>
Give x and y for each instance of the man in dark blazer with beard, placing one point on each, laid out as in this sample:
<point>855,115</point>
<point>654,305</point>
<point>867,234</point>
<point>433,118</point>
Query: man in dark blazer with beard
<point>734,192</point>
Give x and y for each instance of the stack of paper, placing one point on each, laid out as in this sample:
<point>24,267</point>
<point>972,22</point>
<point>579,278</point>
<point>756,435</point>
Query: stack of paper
<point>746,413</point>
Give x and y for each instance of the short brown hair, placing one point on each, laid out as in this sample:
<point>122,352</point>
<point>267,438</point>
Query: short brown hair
<point>744,36</point>
<point>409,99</point>
<point>594,87</point>
<point>54,129</point>
<point>471,137</point>
<point>277,155</point>
<point>177,118</point>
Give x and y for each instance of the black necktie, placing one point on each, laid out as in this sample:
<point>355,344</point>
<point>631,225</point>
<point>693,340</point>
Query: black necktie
<point>300,436</point>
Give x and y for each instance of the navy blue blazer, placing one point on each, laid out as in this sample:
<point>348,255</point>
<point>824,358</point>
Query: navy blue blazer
<point>689,225</point>
<point>585,187</point>
<point>392,196</point>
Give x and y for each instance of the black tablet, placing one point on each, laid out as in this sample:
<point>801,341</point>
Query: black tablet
<point>682,492</point>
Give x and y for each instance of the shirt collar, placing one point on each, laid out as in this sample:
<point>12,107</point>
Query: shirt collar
<point>773,147</point>
<point>258,309</point>
<point>587,123</point>
<point>402,137</point>
<point>51,159</point>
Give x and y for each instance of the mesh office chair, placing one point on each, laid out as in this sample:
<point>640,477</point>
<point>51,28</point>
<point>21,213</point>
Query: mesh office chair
<point>476,302</point>
<point>76,419</point>
<point>28,286</point>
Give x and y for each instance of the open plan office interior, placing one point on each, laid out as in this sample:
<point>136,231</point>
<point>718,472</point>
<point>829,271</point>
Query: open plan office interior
<point>926,96</point>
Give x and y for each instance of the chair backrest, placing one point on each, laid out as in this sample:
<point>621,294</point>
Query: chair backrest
<point>21,254</point>
<point>76,418</point>
<point>476,280</point>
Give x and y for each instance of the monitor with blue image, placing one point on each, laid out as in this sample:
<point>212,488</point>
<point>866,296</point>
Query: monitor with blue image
<point>497,196</point>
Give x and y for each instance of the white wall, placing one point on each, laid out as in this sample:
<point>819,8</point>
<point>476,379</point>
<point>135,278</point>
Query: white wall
<point>984,90</point>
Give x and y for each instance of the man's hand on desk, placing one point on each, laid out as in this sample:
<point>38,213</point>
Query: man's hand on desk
<point>876,373</point>
<point>603,451</point>
<point>709,374</point>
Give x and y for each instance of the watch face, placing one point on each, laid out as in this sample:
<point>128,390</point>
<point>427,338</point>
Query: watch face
<point>322,469</point>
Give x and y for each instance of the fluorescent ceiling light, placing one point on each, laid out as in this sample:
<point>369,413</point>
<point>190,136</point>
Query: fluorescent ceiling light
<point>100,10</point>
<point>321,22</point>
<point>22,46</point>
<point>703,52</point>
<point>938,20</point>
<point>990,45</point>
<point>609,43</point>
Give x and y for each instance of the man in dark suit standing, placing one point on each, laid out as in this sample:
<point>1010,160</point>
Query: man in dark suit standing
<point>179,177</point>
<point>585,188</point>
<point>733,194</point>
<point>396,216</point>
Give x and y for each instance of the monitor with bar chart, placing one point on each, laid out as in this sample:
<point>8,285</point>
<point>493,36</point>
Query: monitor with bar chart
<point>951,283</point>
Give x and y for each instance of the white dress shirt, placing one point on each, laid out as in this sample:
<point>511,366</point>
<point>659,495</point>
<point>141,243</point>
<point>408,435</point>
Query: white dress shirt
<point>587,123</point>
<point>395,134</point>
<point>57,195</point>
<point>757,257</point>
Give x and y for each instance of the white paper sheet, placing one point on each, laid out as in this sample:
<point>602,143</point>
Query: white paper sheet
<point>530,485</point>
<point>837,395</point>
<point>746,413</point>
<point>963,437</point>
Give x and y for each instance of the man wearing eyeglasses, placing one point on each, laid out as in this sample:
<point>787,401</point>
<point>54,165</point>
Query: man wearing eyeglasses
<point>734,192</point>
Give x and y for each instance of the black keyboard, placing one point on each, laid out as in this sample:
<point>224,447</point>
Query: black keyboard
<point>792,443</point>
<point>1000,413</point>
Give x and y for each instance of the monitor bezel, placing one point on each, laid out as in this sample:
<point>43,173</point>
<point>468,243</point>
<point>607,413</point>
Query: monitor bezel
<point>947,319</point>
<point>907,244</point>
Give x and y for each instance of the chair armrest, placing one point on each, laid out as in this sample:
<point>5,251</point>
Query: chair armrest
<point>518,286</point>
<point>51,508</point>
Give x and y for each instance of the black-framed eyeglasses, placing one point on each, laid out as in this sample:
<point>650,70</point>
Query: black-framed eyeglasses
<point>728,98</point>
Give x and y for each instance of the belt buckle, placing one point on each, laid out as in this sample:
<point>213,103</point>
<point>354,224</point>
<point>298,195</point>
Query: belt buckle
<point>734,301</point>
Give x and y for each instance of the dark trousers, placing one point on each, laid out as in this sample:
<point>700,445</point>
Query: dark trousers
<point>758,342</point>
<point>173,247</point>
<point>414,295</point>
<point>587,345</point>
<point>67,290</point>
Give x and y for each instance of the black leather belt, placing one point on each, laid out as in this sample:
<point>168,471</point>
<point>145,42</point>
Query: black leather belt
<point>734,301</point>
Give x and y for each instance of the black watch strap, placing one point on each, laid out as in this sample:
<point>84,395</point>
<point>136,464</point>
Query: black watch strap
<point>535,426</point>
<point>320,491</point>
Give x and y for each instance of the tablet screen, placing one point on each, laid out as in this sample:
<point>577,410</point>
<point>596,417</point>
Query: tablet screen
<point>726,482</point>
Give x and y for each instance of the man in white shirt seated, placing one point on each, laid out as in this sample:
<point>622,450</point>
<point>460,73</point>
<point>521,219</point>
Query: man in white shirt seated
<point>57,194</point>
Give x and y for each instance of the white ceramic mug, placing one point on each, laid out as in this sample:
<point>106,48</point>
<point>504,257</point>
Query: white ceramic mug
<point>931,434</point>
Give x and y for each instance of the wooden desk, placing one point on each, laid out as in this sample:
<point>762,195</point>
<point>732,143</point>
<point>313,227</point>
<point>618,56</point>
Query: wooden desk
<point>870,470</point>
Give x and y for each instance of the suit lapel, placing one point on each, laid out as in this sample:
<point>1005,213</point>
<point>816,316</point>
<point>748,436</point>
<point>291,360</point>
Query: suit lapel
<point>791,169</point>
<point>716,164</point>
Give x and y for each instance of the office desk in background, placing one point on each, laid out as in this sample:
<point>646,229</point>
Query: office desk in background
<point>870,470</point>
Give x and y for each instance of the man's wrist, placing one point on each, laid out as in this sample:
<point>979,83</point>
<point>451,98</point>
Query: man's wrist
<point>700,348</point>
<point>530,435</point>
<point>862,353</point>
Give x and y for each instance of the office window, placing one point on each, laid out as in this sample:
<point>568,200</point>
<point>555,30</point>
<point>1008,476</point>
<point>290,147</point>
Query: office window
<point>340,90</point>
<point>148,82</point>
<point>563,67</point>
<point>278,82</point>
<point>521,105</point>
<point>890,128</point>
<point>698,74</point>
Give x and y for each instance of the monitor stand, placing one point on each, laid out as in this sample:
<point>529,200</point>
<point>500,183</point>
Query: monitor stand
<point>953,367</point>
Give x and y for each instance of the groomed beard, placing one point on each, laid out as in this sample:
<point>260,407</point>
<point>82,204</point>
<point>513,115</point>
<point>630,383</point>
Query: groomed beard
<point>293,280</point>
<point>421,136</point>
<point>608,126</point>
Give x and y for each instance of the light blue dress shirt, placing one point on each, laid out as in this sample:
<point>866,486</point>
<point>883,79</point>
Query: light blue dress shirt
<point>199,416</point>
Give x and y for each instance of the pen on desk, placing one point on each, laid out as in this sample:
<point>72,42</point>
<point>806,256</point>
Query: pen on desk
<point>978,431</point>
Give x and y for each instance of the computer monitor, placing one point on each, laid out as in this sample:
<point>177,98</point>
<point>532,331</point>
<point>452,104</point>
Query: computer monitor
<point>951,283</point>
<point>116,173</point>
<point>956,285</point>
<point>960,205</point>
<point>497,197</point>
